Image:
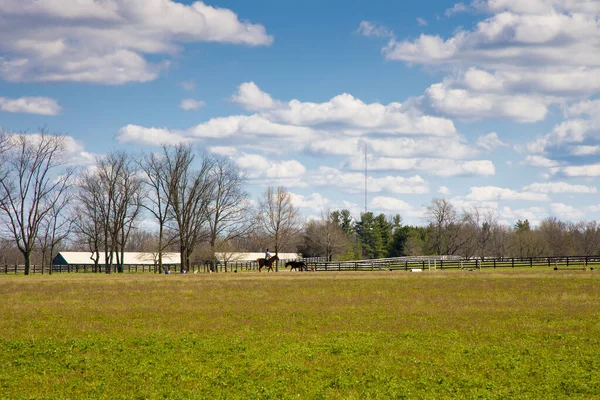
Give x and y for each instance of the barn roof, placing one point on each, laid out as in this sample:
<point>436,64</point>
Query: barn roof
<point>130,258</point>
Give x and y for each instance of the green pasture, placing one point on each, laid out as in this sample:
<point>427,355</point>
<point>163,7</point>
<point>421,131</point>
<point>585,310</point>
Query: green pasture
<point>492,334</point>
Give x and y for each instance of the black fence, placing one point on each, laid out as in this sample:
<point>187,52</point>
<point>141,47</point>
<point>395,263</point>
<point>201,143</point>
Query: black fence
<point>318,264</point>
<point>197,267</point>
<point>428,264</point>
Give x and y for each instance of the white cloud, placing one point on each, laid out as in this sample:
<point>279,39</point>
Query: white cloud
<point>457,8</point>
<point>533,48</point>
<point>251,97</point>
<point>223,150</point>
<point>105,42</point>
<point>191,104</point>
<point>489,193</point>
<point>558,187</point>
<point>584,150</point>
<point>489,142</point>
<point>540,162</point>
<point>394,147</point>
<point>444,190</point>
<point>354,117</point>
<point>259,167</point>
<point>315,202</point>
<point>239,125</point>
<point>565,211</point>
<point>371,29</point>
<point>533,214</point>
<point>592,170</point>
<point>433,166</point>
<point>354,182</point>
<point>390,204</point>
<point>571,131</point>
<point>422,21</point>
<point>30,105</point>
<point>149,136</point>
<point>470,105</point>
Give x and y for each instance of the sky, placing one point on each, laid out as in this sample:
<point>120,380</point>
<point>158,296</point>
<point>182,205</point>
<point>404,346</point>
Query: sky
<point>490,103</point>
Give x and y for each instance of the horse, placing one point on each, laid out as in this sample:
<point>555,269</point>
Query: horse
<point>267,263</point>
<point>299,265</point>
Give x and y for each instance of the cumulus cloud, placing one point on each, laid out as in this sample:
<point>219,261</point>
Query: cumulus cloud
<point>533,214</point>
<point>571,131</point>
<point>490,193</point>
<point>354,182</point>
<point>584,150</point>
<point>518,61</point>
<point>191,104</point>
<point>259,167</point>
<point>433,166</point>
<point>394,147</point>
<point>558,187</point>
<point>565,211</point>
<point>30,105</point>
<point>392,205</point>
<point>106,42</point>
<point>444,190</point>
<point>315,202</point>
<point>149,136</point>
<point>489,142</point>
<point>585,171</point>
<point>471,105</point>
<point>540,162</point>
<point>457,8</point>
<point>251,97</point>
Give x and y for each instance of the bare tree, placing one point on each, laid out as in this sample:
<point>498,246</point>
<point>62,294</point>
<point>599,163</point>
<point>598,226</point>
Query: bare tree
<point>55,228</point>
<point>111,197</point>
<point>481,226</point>
<point>89,225</point>
<point>554,234</point>
<point>191,195</point>
<point>500,240</point>
<point>279,218</point>
<point>158,200</point>
<point>325,237</point>
<point>230,213</point>
<point>586,238</point>
<point>444,227</point>
<point>32,179</point>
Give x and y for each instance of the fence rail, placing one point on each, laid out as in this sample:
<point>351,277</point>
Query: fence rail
<point>318,264</point>
<point>409,264</point>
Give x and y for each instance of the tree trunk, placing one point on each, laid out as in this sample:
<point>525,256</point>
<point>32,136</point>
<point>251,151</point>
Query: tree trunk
<point>27,257</point>
<point>160,248</point>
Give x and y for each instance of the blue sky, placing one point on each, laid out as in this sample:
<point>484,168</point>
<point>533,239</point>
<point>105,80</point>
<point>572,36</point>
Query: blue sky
<point>490,103</point>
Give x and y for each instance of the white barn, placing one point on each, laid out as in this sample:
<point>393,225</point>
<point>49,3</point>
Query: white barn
<point>130,258</point>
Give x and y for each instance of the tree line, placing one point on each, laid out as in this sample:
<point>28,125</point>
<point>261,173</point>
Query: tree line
<point>178,199</point>
<point>470,233</point>
<point>186,199</point>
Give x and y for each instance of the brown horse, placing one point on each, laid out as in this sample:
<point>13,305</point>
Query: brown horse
<point>299,265</point>
<point>267,263</point>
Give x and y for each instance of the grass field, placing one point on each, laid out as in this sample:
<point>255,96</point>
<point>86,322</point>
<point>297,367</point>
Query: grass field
<point>372,335</point>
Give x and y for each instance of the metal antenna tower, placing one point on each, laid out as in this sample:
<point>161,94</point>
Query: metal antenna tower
<point>365,178</point>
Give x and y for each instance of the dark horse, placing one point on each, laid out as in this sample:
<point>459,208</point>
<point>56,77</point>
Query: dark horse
<point>267,263</point>
<point>299,265</point>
